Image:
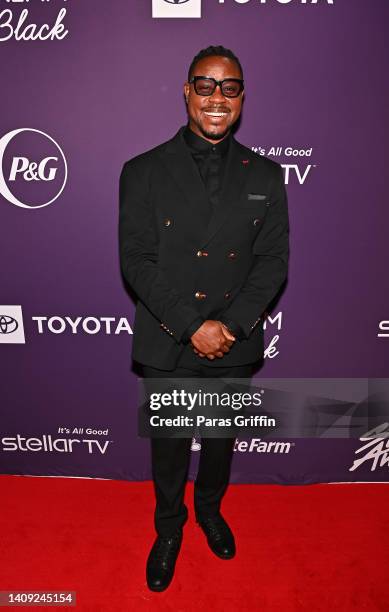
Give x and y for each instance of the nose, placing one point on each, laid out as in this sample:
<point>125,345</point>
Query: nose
<point>217,95</point>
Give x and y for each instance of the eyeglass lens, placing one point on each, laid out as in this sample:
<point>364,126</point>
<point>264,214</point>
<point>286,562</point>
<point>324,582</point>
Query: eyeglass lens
<point>206,87</point>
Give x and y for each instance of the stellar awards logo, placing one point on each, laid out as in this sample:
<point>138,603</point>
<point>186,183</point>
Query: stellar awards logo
<point>177,8</point>
<point>33,168</point>
<point>375,451</point>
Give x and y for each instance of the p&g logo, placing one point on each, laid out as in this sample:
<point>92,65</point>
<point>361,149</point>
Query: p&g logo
<point>33,168</point>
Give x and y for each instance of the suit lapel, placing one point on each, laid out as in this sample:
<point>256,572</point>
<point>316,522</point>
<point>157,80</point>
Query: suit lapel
<point>235,175</point>
<point>177,158</point>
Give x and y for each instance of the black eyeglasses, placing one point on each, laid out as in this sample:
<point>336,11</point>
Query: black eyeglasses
<point>205,86</point>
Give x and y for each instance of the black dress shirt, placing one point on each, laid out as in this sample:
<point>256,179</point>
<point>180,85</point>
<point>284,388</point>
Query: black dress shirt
<point>211,163</point>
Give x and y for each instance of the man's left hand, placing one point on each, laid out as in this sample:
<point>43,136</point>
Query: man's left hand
<point>219,354</point>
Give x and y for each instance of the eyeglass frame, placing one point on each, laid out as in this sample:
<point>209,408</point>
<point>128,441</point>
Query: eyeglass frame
<point>217,83</point>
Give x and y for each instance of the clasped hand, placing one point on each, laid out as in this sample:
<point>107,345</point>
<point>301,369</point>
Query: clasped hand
<point>212,340</point>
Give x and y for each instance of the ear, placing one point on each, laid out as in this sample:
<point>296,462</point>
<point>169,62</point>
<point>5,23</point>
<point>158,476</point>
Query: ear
<point>186,91</point>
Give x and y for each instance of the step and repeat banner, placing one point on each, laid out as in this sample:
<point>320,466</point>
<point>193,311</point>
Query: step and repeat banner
<point>87,85</point>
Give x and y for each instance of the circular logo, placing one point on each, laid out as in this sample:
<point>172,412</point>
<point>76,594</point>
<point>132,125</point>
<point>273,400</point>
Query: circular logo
<point>33,168</point>
<point>8,324</point>
<point>176,1</point>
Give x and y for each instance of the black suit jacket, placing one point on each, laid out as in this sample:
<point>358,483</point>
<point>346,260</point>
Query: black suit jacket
<point>183,265</point>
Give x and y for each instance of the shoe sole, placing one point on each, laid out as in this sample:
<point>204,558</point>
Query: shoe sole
<point>225,557</point>
<point>158,589</point>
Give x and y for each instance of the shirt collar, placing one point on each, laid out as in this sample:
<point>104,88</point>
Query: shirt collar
<point>199,145</point>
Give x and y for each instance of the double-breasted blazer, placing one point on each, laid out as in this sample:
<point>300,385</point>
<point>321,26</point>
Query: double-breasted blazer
<point>182,263</point>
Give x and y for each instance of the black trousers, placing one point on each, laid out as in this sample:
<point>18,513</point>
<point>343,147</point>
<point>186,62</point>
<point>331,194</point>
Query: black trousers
<point>170,458</point>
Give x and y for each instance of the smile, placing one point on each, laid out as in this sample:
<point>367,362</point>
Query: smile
<point>211,114</point>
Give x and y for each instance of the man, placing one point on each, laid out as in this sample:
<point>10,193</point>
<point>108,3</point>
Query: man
<point>203,236</point>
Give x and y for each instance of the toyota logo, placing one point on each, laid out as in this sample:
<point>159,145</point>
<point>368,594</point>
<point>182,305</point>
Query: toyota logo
<point>8,325</point>
<point>176,1</point>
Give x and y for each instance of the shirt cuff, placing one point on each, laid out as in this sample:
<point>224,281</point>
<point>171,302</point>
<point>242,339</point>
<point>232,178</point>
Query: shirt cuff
<point>193,327</point>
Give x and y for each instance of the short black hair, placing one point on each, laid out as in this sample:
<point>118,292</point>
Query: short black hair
<point>211,52</point>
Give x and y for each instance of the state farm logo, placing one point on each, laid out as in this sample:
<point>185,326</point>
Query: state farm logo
<point>255,445</point>
<point>176,8</point>
<point>33,168</point>
<point>11,325</point>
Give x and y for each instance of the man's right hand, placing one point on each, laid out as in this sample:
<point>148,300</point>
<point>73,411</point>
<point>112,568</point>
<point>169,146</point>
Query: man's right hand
<point>212,339</point>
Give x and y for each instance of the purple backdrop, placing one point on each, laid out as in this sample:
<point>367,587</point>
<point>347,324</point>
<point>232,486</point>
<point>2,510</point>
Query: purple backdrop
<point>112,88</point>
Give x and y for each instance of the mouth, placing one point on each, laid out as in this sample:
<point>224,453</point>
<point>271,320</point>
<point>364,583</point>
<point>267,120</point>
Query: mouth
<point>216,113</point>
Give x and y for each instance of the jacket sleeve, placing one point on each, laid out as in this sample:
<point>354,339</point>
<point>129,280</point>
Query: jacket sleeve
<point>271,252</point>
<point>138,249</point>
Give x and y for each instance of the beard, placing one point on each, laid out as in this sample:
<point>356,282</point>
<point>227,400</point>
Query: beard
<point>214,135</point>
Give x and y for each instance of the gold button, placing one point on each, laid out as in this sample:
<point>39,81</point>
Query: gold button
<point>167,222</point>
<point>199,295</point>
<point>232,255</point>
<point>227,295</point>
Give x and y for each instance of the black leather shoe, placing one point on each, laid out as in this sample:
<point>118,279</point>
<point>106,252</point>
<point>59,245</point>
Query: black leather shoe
<point>219,535</point>
<point>162,561</point>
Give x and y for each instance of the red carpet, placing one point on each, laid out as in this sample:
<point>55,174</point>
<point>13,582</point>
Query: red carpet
<point>317,547</point>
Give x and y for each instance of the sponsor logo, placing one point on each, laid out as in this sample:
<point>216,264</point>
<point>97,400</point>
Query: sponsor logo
<point>8,324</point>
<point>292,171</point>
<point>88,325</point>
<point>12,329</point>
<point>176,8</point>
<point>50,444</point>
<point>36,177</point>
<point>376,449</point>
<point>11,325</point>
<point>254,445</point>
<point>279,1</point>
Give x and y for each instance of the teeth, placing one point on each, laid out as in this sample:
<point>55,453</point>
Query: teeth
<point>215,114</point>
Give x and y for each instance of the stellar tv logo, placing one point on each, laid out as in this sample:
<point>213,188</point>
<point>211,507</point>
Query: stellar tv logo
<point>177,8</point>
<point>292,171</point>
<point>50,444</point>
<point>33,168</point>
<point>11,325</point>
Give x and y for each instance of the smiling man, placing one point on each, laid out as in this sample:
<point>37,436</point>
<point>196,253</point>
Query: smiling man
<point>203,232</point>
